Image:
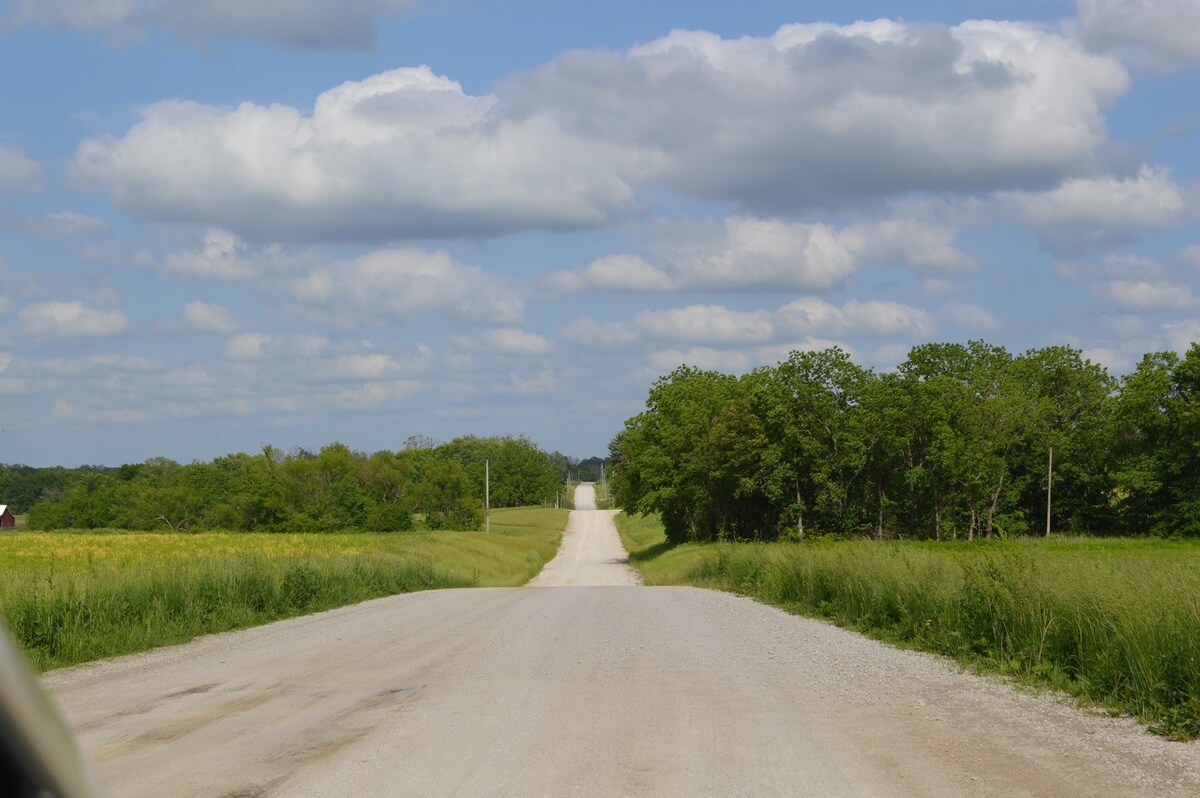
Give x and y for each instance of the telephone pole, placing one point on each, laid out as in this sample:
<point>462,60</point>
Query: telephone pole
<point>487,494</point>
<point>1049,488</point>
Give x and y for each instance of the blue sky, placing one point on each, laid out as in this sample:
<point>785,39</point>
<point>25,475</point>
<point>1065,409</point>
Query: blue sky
<point>225,224</point>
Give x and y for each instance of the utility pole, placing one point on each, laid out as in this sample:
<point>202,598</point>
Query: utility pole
<point>1049,488</point>
<point>487,494</point>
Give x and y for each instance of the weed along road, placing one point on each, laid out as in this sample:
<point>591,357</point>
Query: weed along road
<point>585,684</point>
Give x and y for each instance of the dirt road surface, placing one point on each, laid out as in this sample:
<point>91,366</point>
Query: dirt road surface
<point>586,691</point>
<point>591,552</point>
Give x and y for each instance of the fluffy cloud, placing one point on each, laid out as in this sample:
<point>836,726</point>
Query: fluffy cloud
<point>1182,334</point>
<point>928,249</point>
<point>969,317</point>
<point>745,253</point>
<point>18,174</point>
<point>822,114</point>
<point>374,366</point>
<point>296,23</point>
<point>221,256</point>
<point>1124,264</point>
<point>71,320</point>
<point>403,283</point>
<point>813,319</point>
<point>711,323</point>
<point>404,153</point>
<point>613,273</point>
<point>206,317</point>
<point>766,253</point>
<point>873,317</point>
<point>1160,33</point>
<point>1148,200</point>
<point>377,393</point>
<point>514,341</point>
<point>65,224</point>
<point>813,116</point>
<point>247,346</point>
<point>1085,211</point>
<point>1143,295</point>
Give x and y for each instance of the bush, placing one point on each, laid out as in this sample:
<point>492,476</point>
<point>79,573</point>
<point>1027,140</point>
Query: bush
<point>389,518</point>
<point>467,515</point>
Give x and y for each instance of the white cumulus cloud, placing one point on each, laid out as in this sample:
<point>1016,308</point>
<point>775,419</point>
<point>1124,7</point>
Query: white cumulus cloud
<point>765,253</point>
<point>810,315</point>
<point>818,114</point>
<point>365,367</point>
<point>1182,334</point>
<point>514,341</point>
<point>612,273</point>
<point>221,255</point>
<point>1191,255</point>
<point>927,249</point>
<point>18,174</point>
<point>1142,295</point>
<point>404,153</point>
<point>377,393</point>
<point>207,317</point>
<point>969,317</point>
<point>708,323</point>
<point>745,253</point>
<point>405,283</point>
<point>73,319</point>
<point>813,116</point>
<point>247,346</point>
<point>1148,200</point>
<point>1159,33</point>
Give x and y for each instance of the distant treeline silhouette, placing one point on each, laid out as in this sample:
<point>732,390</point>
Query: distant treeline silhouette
<point>333,489</point>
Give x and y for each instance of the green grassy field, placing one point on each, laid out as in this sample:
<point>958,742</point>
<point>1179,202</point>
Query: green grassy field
<point>74,597</point>
<point>1114,622</point>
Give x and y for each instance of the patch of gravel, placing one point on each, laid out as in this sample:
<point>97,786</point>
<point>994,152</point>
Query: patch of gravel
<point>862,672</point>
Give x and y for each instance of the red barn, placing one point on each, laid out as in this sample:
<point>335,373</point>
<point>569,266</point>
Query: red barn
<point>7,520</point>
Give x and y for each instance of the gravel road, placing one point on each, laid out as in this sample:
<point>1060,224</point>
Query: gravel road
<point>586,691</point>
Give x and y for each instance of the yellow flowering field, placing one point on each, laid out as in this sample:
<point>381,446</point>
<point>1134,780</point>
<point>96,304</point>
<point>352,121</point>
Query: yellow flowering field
<point>72,597</point>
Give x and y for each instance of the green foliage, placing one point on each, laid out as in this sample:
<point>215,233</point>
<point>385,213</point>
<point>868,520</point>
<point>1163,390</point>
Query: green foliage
<point>954,444</point>
<point>521,473</point>
<point>389,518</point>
<point>333,489</point>
<point>1112,621</point>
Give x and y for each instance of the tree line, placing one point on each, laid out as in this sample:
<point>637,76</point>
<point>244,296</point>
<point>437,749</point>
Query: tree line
<point>332,489</point>
<point>959,441</point>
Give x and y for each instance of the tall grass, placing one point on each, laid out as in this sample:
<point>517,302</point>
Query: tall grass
<point>75,597</point>
<point>1116,622</point>
<point>603,496</point>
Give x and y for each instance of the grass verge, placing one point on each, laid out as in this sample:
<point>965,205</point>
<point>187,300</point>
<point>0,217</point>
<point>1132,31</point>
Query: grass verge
<point>74,597</point>
<point>1113,622</point>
